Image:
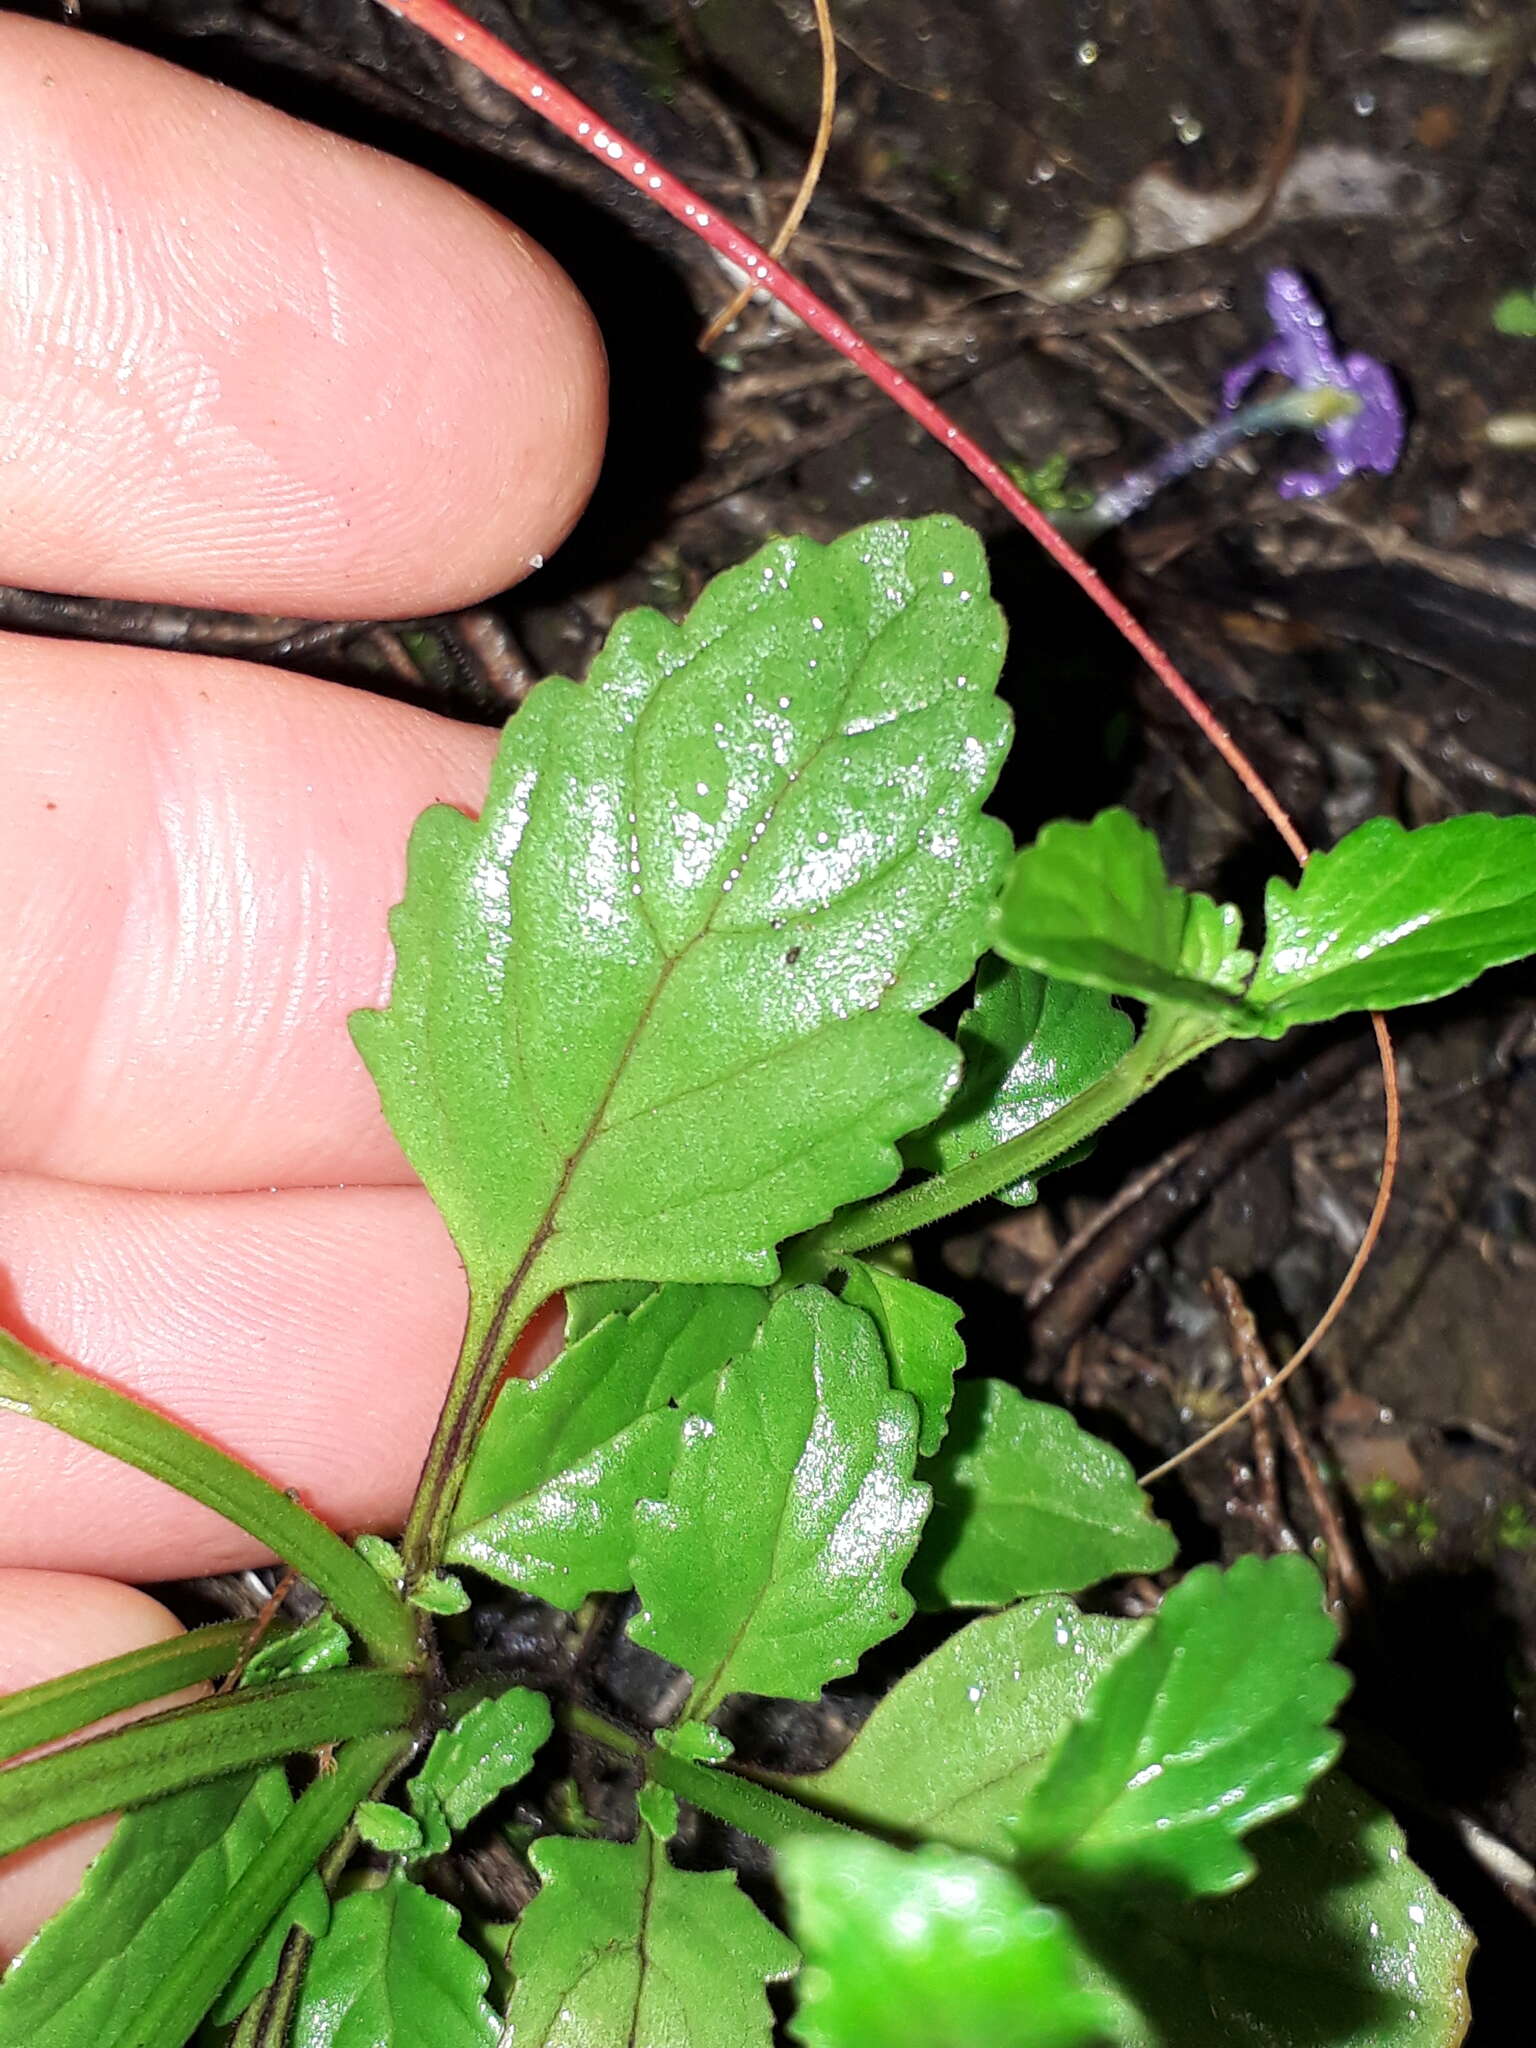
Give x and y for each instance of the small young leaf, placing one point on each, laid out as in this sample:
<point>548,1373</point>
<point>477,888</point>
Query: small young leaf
<point>1339,1942</point>
<point>385,1827</point>
<point>1027,1501</point>
<point>659,1008</point>
<point>619,1947</point>
<point>696,1743</point>
<point>933,1950</point>
<point>549,1503</point>
<point>318,1645</point>
<point>393,1971</point>
<point>657,1807</point>
<point>160,1877</point>
<point>492,1747</point>
<point>440,1593</point>
<point>1092,904</point>
<point>923,1348</point>
<point>951,1751</point>
<point>1211,1722</point>
<point>1031,1045</point>
<point>1390,916</point>
<point>776,1560</point>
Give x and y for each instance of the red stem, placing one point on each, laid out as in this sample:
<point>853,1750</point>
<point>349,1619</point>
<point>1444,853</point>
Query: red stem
<point>465,38</point>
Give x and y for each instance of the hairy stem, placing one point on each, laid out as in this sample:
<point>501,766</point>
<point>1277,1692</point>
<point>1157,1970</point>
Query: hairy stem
<point>189,1745</point>
<point>59,1706</point>
<point>221,1944</point>
<point>96,1414</point>
<point>767,1816</point>
<point>488,1339</point>
<point>860,1228</point>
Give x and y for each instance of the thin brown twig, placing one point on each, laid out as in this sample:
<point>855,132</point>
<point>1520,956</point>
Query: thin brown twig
<point>810,179</point>
<point>267,1614</point>
<point>1346,1287</point>
<point>1126,1197</point>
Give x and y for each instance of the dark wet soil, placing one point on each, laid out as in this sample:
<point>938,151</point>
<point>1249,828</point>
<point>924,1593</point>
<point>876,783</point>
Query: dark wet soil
<point>1376,652</point>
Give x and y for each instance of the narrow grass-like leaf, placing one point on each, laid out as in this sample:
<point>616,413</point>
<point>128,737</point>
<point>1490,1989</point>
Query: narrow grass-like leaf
<point>189,1745</point>
<point>1092,904</point>
<point>92,1413</point>
<point>1213,1721</point>
<point>60,1706</point>
<point>950,1752</point>
<point>619,1947</point>
<point>1339,1942</point>
<point>393,1971</point>
<point>775,1561</point>
<point>159,1877</point>
<point>933,1950</point>
<point>1390,916</point>
<point>1026,1501</point>
<point>549,1503</point>
<point>922,1345</point>
<point>659,1007</point>
<point>1030,1045</point>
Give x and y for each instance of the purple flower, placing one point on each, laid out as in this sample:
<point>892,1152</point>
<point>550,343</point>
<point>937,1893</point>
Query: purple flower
<point>1304,351</point>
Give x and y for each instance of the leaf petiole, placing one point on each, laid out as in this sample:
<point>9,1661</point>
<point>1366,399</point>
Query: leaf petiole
<point>1168,1042</point>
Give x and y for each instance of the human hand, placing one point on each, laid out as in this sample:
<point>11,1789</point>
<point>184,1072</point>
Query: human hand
<point>247,365</point>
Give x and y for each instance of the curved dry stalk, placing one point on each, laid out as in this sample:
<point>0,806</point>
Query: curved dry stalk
<point>1346,1287</point>
<point>810,178</point>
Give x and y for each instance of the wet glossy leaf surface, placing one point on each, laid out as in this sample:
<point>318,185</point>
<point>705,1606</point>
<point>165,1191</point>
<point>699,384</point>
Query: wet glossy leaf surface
<point>1214,1720</point>
<point>619,1947</point>
<point>1026,1501</point>
<point>1339,1942</point>
<point>932,1950</point>
<point>549,1503</point>
<point>1030,1045</point>
<point>951,1751</point>
<point>159,1879</point>
<point>1391,916</point>
<point>393,1971</point>
<point>923,1347</point>
<point>1092,904</point>
<point>776,1559</point>
<point>658,1008</point>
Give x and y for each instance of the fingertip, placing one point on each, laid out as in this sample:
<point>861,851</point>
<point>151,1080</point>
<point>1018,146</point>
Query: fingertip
<point>50,1623</point>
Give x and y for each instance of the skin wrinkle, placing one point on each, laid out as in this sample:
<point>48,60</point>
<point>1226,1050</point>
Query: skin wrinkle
<point>201,331</point>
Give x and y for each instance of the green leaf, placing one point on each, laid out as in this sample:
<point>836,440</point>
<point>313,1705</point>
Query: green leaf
<point>1390,916</point>
<point>385,1827</point>
<point>934,1950</point>
<point>440,1593</point>
<point>1339,1942</point>
<point>659,1007</point>
<point>923,1348</point>
<point>950,1752</point>
<point>549,1503</point>
<point>1027,1501</point>
<point>318,1645</point>
<point>160,1877</point>
<point>1031,1045</point>
<point>394,1972</point>
<point>1515,313</point>
<point>492,1747</point>
<point>619,1947</point>
<point>1092,904</point>
<point>800,1486</point>
<point>1211,1722</point>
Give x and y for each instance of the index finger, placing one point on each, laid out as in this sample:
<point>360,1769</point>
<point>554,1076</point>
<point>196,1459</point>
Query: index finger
<point>247,364</point>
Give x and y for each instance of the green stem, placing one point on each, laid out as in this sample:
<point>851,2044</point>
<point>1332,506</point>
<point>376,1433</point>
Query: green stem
<point>767,1816</point>
<point>60,1706</point>
<point>202,1969</point>
<point>1162,1047</point>
<point>192,1744</point>
<point>95,1414</point>
<point>268,2020</point>
<point>488,1338</point>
